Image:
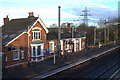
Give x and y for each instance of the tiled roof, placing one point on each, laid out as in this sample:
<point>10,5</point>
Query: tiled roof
<point>14,27</point>
<point>53,35</point>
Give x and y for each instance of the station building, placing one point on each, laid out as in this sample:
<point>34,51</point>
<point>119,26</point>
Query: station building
<point>28,39</point>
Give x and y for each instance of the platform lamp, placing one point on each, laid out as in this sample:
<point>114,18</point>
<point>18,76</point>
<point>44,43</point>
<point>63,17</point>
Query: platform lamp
<point>105,32</point>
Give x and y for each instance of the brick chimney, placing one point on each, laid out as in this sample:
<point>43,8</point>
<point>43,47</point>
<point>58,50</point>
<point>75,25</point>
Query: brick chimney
<point>69,28</point>
<point>6,20</point>
<point>31,14</point>
<point>61,30</point>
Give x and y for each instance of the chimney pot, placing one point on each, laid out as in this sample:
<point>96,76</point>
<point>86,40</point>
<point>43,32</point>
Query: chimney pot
<point>6,20</point>
<point>7,16</point>
<point>69,28</point>
<point>31,14</point>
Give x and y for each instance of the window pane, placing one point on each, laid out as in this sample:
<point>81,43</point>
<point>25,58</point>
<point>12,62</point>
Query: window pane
<point>22,54</point>
<point>33,51</point>
<point>15,55</point>
<point>34,35</point>
<point>51,47</point>
<point>39,35</point>
<point>38,50</point>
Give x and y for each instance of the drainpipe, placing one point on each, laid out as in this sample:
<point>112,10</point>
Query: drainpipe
<point>28,49</point>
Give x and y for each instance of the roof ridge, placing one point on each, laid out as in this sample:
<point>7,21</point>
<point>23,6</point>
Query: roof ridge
<point>24,18</point>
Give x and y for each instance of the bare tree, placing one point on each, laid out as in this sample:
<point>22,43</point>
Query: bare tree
<point>101,23</point>
<point>53,26</point>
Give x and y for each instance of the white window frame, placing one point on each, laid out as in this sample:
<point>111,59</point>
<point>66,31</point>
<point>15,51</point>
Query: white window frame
<point>67,46</point>
<point>32,51</point>
<point>34,38</point>
<point>74,41</point>
<point>70,47</point>
<point>22,54</point>
<point>52,42</point>
<point>42,49</point>
<point>61,43</point>
<point>82,43</point>
<point>18,55</point>
<point>77,44</point>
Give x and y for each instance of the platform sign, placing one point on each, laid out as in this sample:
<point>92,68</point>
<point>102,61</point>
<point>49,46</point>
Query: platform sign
<point>47,51</point>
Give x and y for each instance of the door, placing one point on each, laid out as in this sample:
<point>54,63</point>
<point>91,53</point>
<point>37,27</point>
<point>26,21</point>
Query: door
<point>80,44</point>
<point>74,45</point>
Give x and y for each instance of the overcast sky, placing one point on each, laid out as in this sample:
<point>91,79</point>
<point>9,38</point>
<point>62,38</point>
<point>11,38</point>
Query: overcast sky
<point>48,9</point>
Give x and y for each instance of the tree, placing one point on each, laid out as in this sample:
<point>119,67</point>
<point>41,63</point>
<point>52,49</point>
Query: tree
<point>53,26</point>
<point>101,22</point>
<point>64,25</point>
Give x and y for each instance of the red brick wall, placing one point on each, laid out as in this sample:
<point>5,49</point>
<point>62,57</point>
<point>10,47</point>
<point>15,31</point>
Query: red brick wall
<point>43,32</point>
<point>82,41</point>
<point>19,42</point>
<point>77,43</point>
<point>47,46</point>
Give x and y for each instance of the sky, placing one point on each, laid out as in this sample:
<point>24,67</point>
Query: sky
<point>48,10</point>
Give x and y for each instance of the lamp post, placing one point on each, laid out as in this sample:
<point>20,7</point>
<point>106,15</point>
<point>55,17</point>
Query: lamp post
<point>94,32</point>
<point>59,31</point>
<point>99,39</point>
<point>72,32</point>
<point>108,34</point>
<point>54,54</point>
<point>105,33</point>
<point>114,37</point>
<point>94,36</point>
<point>86,38</point>
<point>28,49</point>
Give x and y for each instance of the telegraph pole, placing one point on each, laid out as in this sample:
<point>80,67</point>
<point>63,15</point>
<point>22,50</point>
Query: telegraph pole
<point>114,37</point>
<point>94,36</point>
<point>99,39</point>
<point>72,32</point>
<point>108,34</point>
<point>105,34</point>
<point>59,31</point>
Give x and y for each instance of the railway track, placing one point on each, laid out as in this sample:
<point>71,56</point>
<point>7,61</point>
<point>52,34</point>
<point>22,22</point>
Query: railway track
<point>110,71</point>
<point>93,69</point>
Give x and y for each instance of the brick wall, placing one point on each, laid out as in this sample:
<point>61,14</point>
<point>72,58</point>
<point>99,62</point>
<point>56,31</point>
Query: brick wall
<point>19,42</point>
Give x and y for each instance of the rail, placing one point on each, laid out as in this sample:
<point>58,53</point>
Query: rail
<point>50,73</point>
<point>105,71</point>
